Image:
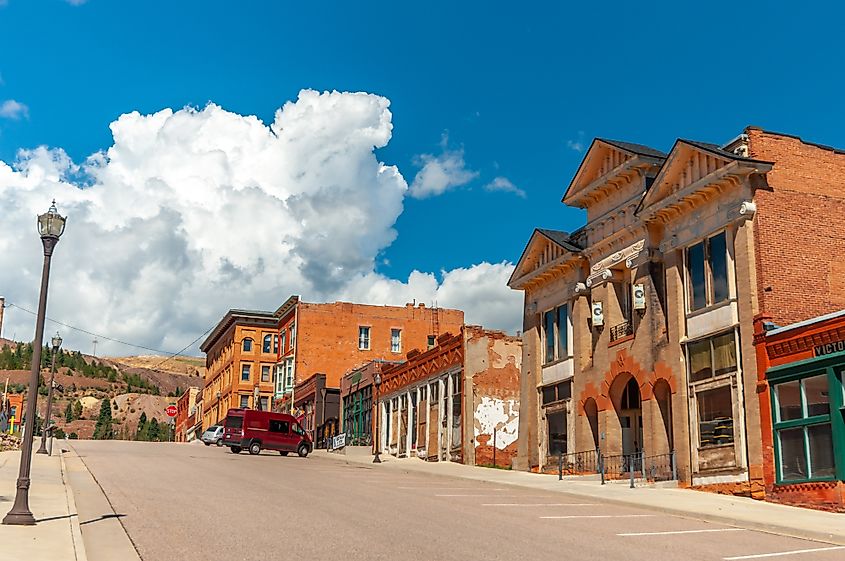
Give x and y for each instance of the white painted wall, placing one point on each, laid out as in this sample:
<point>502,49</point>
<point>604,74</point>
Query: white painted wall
<point>501,414</point>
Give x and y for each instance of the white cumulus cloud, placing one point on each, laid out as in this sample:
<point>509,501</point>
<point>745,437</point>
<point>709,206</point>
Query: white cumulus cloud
<point>192,212</point>
<point>506,185</point>
<point>441,172</point>
<point>11,109</point>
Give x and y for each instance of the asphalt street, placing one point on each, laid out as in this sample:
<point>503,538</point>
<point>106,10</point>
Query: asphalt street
<point>187,502</point>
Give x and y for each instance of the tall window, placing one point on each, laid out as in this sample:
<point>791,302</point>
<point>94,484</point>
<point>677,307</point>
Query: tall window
<point>803,431</point>
<point>264,402</point>
<point>556,333</point>
<point>276,344</point>
<point>707,272</point>
<point>244,401</point>
<point>245,371</point>
<point>284,340</point>
<point>289,379</point>
<point>712,365</point>
<point>431,341</point>
<point>265,372</point>
<point>267,345</point>
<point>279,380</point>
<point>396,340</point>
<point>247,345</point>
<point>292,335</point>
<point>363,338</point>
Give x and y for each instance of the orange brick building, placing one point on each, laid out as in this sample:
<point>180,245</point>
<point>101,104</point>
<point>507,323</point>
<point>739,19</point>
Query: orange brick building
<point>801,385</point>
<point>240,361</point>
<point>638,327</point>
<point>274,357</point>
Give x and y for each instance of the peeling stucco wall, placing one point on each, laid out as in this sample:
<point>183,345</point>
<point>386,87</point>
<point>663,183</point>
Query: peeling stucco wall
<point>492,364</point>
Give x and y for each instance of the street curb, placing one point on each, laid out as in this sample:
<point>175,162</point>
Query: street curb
<point>75,528</point>
<point>778,529</point>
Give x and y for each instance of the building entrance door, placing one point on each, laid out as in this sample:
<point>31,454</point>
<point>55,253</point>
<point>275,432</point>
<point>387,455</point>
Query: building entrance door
<point>631,423</point>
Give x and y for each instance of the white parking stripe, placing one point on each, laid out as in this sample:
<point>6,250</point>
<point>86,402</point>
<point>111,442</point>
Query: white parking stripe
<point>780,553</point>
<point>539,504</point>
<point>683,532</point>
<point>449,489</point>
<point>497,496</point>
<point>600,516</point>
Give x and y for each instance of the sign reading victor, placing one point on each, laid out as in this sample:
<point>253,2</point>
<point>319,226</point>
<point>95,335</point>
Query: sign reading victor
<point>830,348</point>
<point>171,410</point>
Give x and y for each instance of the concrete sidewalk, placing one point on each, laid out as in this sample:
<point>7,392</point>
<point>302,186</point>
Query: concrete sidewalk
<point>56,536</point>
<point>734,511</point>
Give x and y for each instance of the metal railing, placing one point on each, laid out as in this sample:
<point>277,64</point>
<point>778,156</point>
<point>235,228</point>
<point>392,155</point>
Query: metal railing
<point>621,330</point>
<point>578,463</point>
<point>619,467</point>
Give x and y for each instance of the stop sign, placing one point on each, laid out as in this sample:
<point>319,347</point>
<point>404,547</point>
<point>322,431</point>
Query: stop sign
<point>171,410</point>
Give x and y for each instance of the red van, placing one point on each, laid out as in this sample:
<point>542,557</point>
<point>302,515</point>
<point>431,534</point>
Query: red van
<point>263,430</point>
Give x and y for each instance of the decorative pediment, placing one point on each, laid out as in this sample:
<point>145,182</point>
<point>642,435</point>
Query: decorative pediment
<point>601,270</point>
<point>695,171</point>
<point>607,165</point>
<point>547,252</point>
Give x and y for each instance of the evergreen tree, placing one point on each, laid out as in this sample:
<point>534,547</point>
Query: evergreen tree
<point>69,412</point>
<point>103,428</point>
<point>77,409</point>
<point>142,432</point>
<point>154,431</point>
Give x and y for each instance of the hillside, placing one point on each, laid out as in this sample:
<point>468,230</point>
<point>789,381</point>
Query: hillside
<point>134,385</point>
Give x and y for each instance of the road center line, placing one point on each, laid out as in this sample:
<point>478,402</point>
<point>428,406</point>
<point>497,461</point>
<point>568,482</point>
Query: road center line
<point>599,516</point>
<point>449,489</point>
<point>780,553</point>
<point>539,504</point>
<point>683,532</point>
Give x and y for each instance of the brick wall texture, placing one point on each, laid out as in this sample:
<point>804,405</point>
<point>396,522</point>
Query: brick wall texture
<point>799,225</point>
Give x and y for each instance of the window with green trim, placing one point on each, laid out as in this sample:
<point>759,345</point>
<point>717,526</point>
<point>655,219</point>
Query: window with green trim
<point>803,430</point>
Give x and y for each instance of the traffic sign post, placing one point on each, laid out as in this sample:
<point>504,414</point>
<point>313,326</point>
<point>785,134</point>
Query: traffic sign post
<point>171,410</point>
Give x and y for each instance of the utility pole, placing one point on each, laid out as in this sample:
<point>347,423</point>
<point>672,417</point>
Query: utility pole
<point>95,346</point>
<point>2,307</point>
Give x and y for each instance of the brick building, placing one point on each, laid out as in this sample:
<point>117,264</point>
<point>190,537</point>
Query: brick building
<point>446,402</point>
<point>801,386</point>
<point>357,394</point>
<point>241,355</point>
<point>638,327</point>
<point>185,415</point>
<point>285,359</point>
<point>330,339</point>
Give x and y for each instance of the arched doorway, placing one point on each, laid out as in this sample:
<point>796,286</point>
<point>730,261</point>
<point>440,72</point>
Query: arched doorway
<point>663,396</point>
<point>591,409</point>
<point>625,394</point>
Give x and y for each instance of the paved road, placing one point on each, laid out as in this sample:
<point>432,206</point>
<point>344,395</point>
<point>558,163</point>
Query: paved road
<point>185,502</point>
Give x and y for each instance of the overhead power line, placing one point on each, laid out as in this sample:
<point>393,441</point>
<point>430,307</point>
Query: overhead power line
<point>99,336</point>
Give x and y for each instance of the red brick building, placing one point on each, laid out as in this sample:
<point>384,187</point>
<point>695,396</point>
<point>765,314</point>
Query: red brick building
<point>186,415</point>
<point>801,385</point>
<point>453,401</point>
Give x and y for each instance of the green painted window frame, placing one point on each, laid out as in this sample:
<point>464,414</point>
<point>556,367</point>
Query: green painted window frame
<point>833,367</point>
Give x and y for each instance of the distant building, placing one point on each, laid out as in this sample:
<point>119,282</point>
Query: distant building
<point>185,413</point>
<point>357,395</point>
<point>458,401</point>
<point>288,357</point>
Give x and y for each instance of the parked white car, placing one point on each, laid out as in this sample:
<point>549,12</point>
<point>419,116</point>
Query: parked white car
<point>213,435</point>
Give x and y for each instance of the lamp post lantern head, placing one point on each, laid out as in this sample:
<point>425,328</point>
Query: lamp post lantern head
<point>57,342</point>
<point>377,379</point>
<point>51,224</point>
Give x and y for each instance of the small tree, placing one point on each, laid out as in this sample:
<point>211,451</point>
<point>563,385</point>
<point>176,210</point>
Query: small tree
<point>154,431</point>
<point>142,431</point>
<point>69,412</point>
<point>103,429</point>
<point>77,409</point>
<point>73,436</point>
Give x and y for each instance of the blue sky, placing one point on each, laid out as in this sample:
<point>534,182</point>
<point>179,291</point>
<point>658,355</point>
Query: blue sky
<point>519,88</point>
<point>512,84</point>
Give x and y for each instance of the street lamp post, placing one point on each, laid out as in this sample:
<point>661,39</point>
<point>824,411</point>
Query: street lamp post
<point>51,225</point>
<point>57,342</point>
<point>377,435</point>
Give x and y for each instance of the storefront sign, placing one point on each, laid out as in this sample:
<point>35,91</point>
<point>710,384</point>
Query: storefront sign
<point>830,348</point>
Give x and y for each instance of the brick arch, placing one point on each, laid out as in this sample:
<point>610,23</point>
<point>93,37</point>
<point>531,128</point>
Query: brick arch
<point>661,372</point>
<point>623,364</point>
